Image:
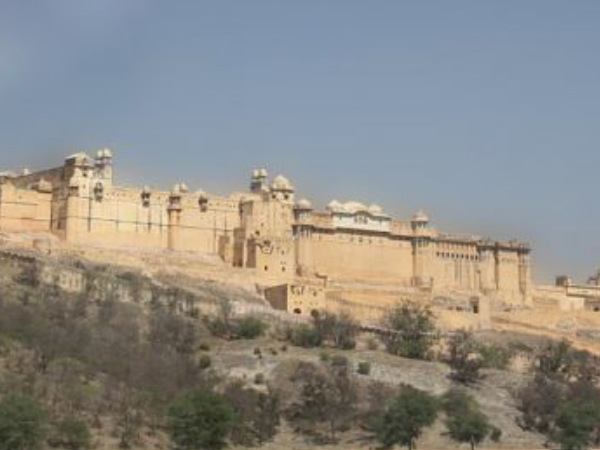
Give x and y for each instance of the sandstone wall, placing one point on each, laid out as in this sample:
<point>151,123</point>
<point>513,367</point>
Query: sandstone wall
<point>353,256</point>
<point>24,210</point>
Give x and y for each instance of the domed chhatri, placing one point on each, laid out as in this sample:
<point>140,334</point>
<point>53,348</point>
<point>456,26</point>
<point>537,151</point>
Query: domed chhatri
<point>304,204</point>
<point>420,217</point>
<point>335,206</point>
<point>281,183</point>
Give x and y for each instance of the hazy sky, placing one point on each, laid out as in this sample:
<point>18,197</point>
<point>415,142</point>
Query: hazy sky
<point>484,113</point>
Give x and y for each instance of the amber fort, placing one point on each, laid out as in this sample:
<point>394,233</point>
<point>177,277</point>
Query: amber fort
<point>301,253</point>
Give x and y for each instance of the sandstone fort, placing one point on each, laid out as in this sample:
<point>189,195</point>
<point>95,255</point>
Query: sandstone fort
<point>267,229</point>
<point>349,254</point>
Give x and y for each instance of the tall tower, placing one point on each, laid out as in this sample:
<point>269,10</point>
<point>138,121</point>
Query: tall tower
<point>421,249</point>
<point>174,209</point>
<point>303,237</point>
<point>104,166</point>
<point>258,182</point>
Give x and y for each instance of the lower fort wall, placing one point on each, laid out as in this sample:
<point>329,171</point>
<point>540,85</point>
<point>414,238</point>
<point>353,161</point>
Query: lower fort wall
<point>121,218</point>
<point>350,256</point>
<point>24,210</point>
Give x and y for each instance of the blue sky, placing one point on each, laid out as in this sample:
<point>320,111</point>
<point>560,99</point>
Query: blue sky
<point>484,113</point>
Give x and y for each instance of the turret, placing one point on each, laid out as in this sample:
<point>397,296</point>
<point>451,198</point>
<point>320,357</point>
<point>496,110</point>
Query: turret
<point>422,250</point>
<point>258,182</point>
<point>104,165</point>
<point>282,189</point>
<point>419,221</point>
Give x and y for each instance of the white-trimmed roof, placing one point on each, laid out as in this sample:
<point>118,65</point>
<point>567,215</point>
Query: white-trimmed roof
<point>354,207</point>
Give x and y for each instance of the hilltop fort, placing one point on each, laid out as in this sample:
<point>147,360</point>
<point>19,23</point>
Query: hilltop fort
<point>299,253</point>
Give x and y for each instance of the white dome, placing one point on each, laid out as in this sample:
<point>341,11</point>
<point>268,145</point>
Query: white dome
<point>304,204</point>
<point>334,205</point>
<point>281,183</point>
<point>376,210</point>
<point>262,172</point>
<point>420,216</point>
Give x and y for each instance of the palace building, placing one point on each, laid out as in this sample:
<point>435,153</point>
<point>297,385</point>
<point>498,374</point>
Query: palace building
<point>265,229</point>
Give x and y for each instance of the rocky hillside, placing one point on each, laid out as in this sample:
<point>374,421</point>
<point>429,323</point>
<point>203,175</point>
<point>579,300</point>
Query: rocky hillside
<point>109,347</point>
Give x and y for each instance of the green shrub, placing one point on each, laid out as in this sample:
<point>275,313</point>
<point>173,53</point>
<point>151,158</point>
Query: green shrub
<point>364,368</point>
<point>494,356</point>
<point>204,347</point>
<point>22,423</point>
<point>73,434</point>
<point>200,420</point>
<point>324,355</point>
<point>251,328</point>
<point>205,362</point>
<point>259,378</point>
<point>305,336</point>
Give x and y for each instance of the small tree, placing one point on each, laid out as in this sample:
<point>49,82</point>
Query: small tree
<point>463,358</point>
<point>538,402</point>
<point>200,420</point>
<point>267,420</point>
<point>556,361</point>
<point>578,417</point>
<point>576,422</point>
<point>465,422</point>
<point>222,326</point>
<point>257,414</point>
<point>403,422</point>
<point>339,331</point>
<point>328,397</point>
<point>22,423</point>
<point>413,331</point>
